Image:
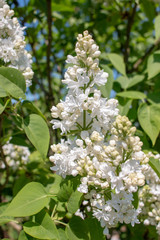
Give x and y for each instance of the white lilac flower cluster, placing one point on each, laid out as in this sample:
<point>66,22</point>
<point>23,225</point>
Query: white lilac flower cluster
<point>101,147</point>
<point>15,155</point>
<point>150,197</point>
<point>12,43</point>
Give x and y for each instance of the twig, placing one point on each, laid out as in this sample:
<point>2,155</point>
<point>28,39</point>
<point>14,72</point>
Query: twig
<point>142,59</point>
<point>16,226</point>
<point>49,20</point>
<point>39,82</point>
<point>129,26</point>
<point>120,37</point>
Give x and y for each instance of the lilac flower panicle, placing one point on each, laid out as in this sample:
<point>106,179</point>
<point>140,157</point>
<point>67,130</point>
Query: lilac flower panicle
<point>15,155</point>
<point>149,196</point>
<point>101,147</point>
<point>12,43</point>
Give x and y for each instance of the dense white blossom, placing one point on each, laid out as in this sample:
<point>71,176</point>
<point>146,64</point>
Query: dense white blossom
<point>12,43</point>
<point>15,155</point>
<point>101,147</point>
<point>82,95</point>
<point>150,197</point>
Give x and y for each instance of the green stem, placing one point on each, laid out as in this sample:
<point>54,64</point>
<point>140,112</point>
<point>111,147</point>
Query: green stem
<point>84,119</point>
<point>53,212</point>
<point>16,105</point>
<point>51,195</point>
<point>56,221</point>
<point>89,123</point>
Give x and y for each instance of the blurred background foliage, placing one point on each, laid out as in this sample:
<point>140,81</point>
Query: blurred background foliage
<point>128,34</point>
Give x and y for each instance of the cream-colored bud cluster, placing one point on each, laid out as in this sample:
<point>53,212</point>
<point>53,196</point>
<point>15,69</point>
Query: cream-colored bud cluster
<point>87,51</point>
<point>155,211</point>
<point>89,166</point>
<point>85,166</point>
<point>95,136</point>
<point>113,154</point>
<point>135,179</point>
<point>122,127</point>
<point>150,204</point>
<point>56,148</point>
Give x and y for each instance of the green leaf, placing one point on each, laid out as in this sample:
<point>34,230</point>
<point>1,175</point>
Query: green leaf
<point>62,7</point>
<point>5,219</point>
<point>154,97</point>
<point>3,106</point>
<point>148,116</point>
<point>62,234</point>
<point>117,62</point>
<point>3,93</point>
<point>12,82</point>
<point>155,165</point>
<point>123,81</point>
<point>24,236</point>
<point>30,200</point>
<point>55,186</point>
<point>20,182</point>
<point>132,94</point>
<point>15,76</point>
<point>136,200</point>
<point>106,90</point>
<point>95,229</point>
<point>137,232</point>
<point>65,191</point>
<point>67,187</point>
<point>35,156</point>
<point>124,108</point>
<point>135,80</point>
<point>37,131</point>
<point>19,139</point>
<point>74,201</point>
<point>153,69</point>
<point>29,105</point>
<point>150,60</point>
<point>42,228</point>
<point>126,82</point>
<point>157,27</point>
<point>149,9</point>
<point>77,229</point>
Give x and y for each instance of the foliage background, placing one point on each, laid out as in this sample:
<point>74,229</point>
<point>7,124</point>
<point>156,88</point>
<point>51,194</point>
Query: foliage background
<point>128,34</point>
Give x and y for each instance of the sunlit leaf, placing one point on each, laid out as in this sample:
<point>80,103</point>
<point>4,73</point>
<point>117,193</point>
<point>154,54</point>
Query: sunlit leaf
<point>30,200</point>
